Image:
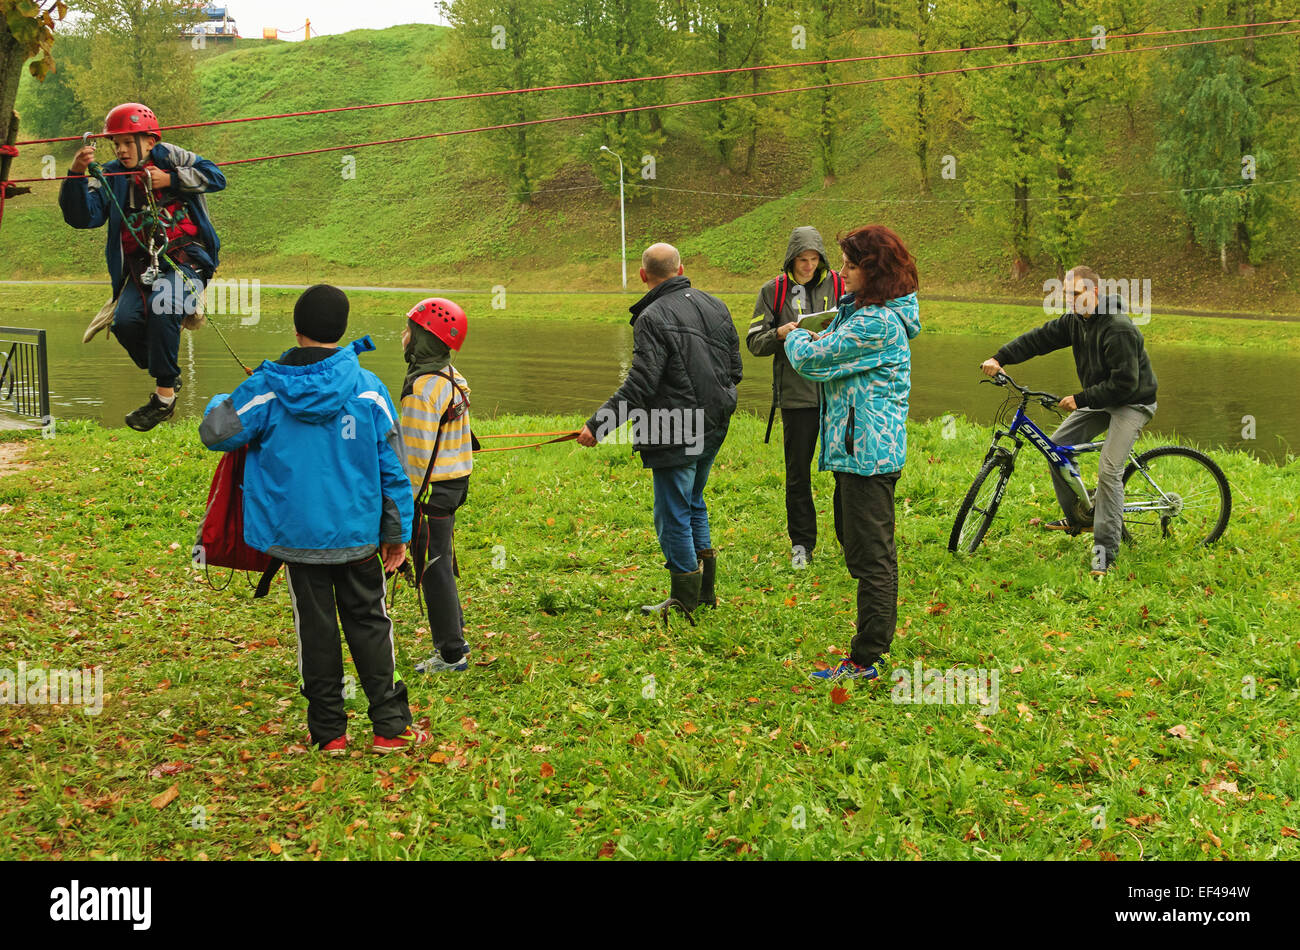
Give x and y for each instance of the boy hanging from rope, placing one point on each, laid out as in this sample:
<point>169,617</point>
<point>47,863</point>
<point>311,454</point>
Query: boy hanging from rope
<point>161,247</point>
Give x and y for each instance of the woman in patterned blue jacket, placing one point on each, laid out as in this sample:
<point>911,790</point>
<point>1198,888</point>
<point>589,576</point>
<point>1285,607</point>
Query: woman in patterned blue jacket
<point>864,363</point>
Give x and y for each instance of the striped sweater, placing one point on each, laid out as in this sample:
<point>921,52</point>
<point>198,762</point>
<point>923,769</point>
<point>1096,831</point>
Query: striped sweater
<point>422,412</point>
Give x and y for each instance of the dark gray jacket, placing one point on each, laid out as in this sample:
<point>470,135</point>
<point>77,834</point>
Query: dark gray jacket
<point>789,389</point>
<point>1109,355</point>
<point>685,357</point>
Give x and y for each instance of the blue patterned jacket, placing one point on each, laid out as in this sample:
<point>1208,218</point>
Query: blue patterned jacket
<point>864,364</point>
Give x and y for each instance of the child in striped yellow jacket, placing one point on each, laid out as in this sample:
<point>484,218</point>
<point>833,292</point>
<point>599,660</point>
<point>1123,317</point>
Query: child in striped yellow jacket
<point>439,458</point>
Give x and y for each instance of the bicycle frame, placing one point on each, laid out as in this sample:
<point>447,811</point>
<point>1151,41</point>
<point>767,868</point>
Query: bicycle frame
<point>1060,457</point>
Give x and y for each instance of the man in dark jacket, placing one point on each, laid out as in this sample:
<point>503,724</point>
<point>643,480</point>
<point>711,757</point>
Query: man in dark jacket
<point>679,396</point>
<point>1118,398</point>
<point>806,284</point>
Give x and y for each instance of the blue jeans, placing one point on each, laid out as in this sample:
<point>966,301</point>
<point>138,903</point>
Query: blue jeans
<point>151,333</point>
<point>681,519</point>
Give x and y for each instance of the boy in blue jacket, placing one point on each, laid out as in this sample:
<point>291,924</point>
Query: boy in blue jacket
<point>324,490</point>
<point>170,219</point>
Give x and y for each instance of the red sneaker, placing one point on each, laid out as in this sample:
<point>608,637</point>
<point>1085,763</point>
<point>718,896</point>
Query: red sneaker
<point>411,737</point>
<point>336,746</point>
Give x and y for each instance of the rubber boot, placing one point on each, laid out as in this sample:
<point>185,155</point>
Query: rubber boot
<point>683,595</point>
<point>709,565</point>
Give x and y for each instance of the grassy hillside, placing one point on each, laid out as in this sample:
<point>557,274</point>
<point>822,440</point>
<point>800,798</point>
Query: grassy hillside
<point>430,213</point>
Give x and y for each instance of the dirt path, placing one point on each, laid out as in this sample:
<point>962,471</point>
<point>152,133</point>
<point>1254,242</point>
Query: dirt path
<point>11,457</point>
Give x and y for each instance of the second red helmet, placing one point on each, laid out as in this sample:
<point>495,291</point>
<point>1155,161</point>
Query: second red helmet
<point>443,318</point>
<point>130,118</point>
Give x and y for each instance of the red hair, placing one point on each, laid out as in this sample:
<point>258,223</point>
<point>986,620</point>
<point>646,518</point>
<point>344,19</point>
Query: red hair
<point>887,264</point>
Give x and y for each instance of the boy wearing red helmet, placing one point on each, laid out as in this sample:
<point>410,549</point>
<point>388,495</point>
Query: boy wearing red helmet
<point>439,459</point>
<point>161,247</point>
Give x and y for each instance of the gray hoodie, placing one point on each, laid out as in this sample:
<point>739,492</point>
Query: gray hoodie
<point>789,389</point>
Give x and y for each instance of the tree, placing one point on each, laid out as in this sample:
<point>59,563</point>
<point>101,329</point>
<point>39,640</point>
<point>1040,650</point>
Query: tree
<point>26,33</point>
<point>917,111</point>
<point>613,39</point>
<point>138,54</point>
<point>506,44</point>
<point>731,36</point>
<point>49,107</point>
<point>1207,118</point>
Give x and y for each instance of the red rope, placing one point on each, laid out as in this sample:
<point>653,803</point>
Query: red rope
<point>687,75</point>
<point>695,102</point>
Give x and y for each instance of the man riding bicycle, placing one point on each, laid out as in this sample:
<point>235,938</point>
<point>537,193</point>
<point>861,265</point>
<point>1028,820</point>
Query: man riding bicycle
<point>1118,397</point>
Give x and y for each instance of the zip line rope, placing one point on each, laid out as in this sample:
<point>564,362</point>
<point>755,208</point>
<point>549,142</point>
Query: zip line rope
<point>1254,183</point>
<point>692,102</point>
<point>696,74</point>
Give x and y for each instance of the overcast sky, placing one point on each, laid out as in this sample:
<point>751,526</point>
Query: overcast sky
<point>327,16</point>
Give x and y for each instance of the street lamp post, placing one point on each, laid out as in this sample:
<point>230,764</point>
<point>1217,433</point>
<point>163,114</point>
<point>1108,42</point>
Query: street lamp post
<point>622,221</point>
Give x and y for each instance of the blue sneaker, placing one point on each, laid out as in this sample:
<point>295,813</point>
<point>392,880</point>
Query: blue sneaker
<point>436,664</point>
<point>846,670</point>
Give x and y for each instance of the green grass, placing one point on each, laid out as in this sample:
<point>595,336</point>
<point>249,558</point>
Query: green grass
<point>938,316</point>
<point>433,213</point>
<point>735,754</point>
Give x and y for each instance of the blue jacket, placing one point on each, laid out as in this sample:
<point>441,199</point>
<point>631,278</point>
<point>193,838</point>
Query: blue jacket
<point>85,204</point>
<point>864,364</point>
<point>324,482</point>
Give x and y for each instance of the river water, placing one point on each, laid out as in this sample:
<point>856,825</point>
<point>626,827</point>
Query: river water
<point>558,367</point>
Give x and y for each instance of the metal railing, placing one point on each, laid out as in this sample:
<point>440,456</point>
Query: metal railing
<point>24,374</point>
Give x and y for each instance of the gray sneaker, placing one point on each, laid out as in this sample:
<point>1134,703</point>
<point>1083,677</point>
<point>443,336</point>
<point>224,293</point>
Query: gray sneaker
<point>436,664</point>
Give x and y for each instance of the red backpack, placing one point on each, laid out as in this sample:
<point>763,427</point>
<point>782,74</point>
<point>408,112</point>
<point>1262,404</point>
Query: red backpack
<point>783,290</point>
<point>220,541</point>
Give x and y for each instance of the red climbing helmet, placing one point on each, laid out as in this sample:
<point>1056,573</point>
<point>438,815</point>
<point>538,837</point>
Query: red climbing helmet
<point>442,318</point>
<point>130,118</point>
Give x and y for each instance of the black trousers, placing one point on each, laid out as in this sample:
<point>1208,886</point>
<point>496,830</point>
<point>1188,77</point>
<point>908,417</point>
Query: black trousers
<point>438,584</point>
<point>799,434</point>
<point>323,595</point>
<point>441,596</point>
<point>864,524</point>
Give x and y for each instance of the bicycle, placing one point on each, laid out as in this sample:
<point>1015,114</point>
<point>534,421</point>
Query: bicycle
<point>1172,488</point>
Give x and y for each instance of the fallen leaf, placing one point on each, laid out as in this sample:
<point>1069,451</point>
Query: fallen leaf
<point>1290,833</point>
<point>318,785</point>
<point>547,770</point>
<point>274,846</point>
<point>166,798</point>
<point>839,695</point>
<point>606,850</point>
<point>689,728</point>
<point>1178,732</point>
<point>937,608</point>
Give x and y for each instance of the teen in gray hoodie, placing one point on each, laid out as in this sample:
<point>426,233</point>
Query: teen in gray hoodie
<point>806,284</point>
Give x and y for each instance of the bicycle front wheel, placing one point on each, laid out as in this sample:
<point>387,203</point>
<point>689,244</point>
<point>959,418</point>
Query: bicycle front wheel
<point>1177,496</point>
<point>980,505</point>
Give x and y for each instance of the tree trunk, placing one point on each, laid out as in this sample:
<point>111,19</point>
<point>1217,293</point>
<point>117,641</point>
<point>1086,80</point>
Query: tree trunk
<point>11,68</point>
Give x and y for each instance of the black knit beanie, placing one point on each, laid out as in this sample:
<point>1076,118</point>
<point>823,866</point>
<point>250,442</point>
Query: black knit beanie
<point>321,313</point>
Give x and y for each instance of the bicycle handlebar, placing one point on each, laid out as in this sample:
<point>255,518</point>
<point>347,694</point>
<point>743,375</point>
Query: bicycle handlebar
<point>1048,400</point>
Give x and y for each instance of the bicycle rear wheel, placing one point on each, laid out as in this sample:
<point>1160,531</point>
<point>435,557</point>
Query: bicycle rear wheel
<point>980,505</point>
<point>1177,496</point>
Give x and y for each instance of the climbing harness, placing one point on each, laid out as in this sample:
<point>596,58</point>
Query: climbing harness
<point>143,227</point>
